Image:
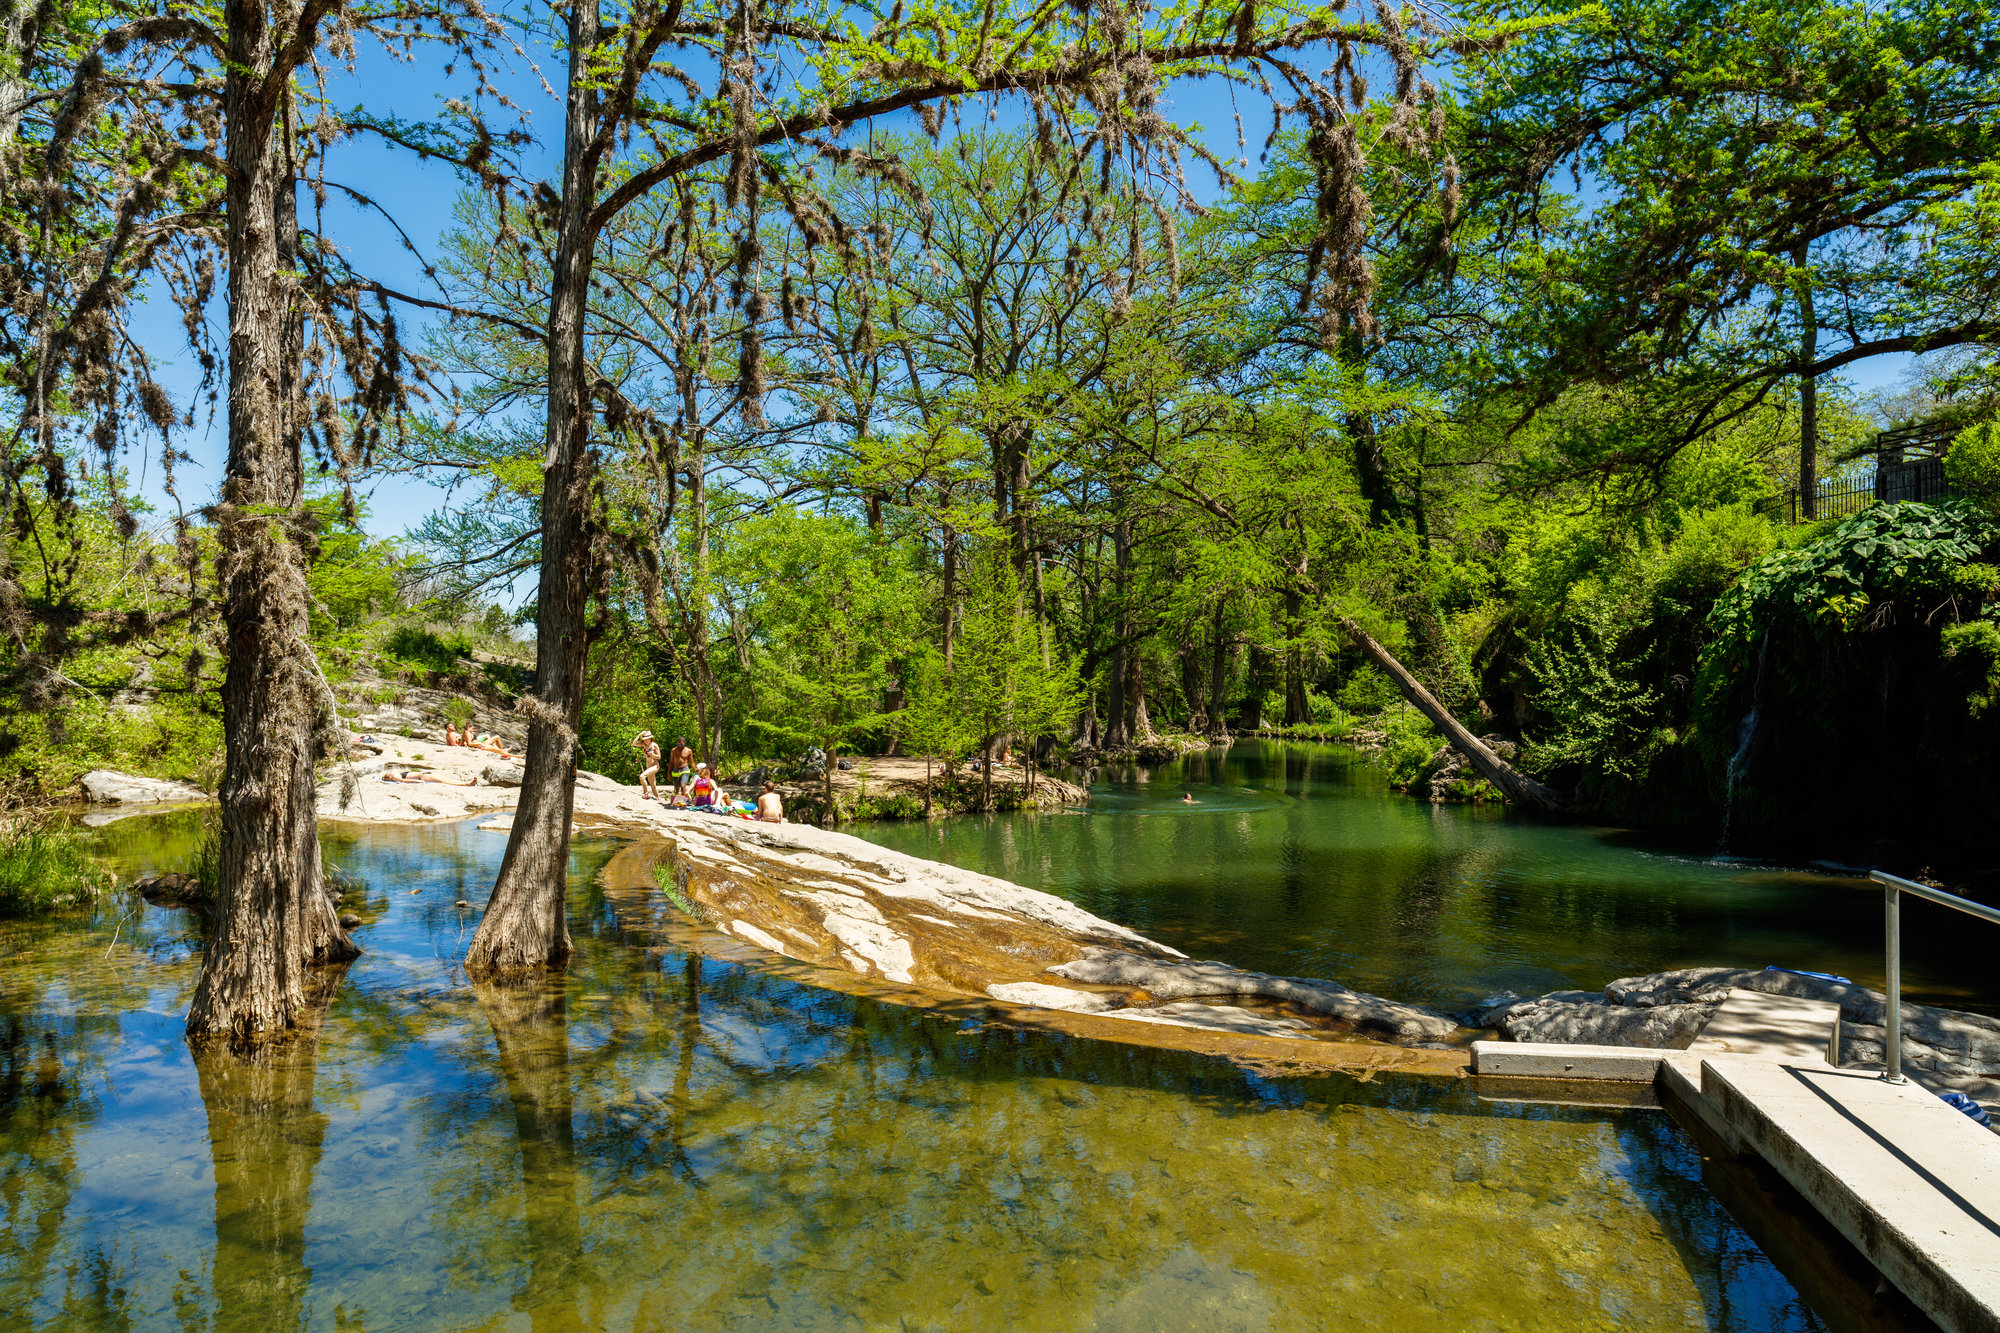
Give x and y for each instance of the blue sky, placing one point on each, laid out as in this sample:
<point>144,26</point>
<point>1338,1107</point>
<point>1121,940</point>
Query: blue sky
<point>421,197</point>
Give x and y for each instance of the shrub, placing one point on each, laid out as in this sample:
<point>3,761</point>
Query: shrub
<point>427,649</point>
<point>41,869</point>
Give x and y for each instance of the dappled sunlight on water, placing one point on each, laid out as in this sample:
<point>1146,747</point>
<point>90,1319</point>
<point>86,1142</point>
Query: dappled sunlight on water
<point>664,1139</point>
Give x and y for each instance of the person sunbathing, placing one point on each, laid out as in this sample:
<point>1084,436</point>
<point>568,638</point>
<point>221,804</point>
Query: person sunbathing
<point>408,775</point>
<point>770,807</point>
<point>490,744</point>
<point>452,736</point>
<point>705,794</point>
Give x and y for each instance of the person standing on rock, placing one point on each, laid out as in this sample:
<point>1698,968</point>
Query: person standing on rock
<point>649,752</point>
<point>770,808</point>
<point>680,763</point>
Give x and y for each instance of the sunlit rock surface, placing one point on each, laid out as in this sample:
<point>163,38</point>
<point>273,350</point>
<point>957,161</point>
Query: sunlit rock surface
<point>102,786</point>
<point>825,897</point>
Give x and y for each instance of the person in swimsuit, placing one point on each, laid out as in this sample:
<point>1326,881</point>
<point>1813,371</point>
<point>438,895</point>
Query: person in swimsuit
<point>649,752</point>
<point>408,776</point>
<point>1187,798</point>
<point>704,793</point>
<point>680,766</point>
<point>770,809</point>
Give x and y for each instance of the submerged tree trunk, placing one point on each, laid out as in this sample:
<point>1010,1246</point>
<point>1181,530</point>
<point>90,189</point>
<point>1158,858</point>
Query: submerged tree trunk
<point>1517,787</point>
<point>524,926</point>
<point>273,920</point>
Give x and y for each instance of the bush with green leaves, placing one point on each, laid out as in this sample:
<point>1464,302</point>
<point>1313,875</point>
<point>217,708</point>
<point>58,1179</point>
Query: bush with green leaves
<point>427,650</point>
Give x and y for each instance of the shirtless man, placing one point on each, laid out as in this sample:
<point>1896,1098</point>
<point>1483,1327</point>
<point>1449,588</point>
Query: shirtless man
<point>649,753</point>
<point>770,809</point>
<point>680,765</point>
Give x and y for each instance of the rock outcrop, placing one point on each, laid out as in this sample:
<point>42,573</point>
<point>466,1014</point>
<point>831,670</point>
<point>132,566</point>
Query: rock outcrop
<point>827,898</point>
<point>172,889</point>
<point>101,786</point>
<point>1943,1049</point>
<point>1171,979</point>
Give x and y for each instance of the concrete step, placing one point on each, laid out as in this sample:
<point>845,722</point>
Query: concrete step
<point>1912,1183</point>
<point>1780,1028</point>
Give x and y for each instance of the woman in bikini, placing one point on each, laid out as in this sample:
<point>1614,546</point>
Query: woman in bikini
<point>649,755</point>
<point>704,793</point>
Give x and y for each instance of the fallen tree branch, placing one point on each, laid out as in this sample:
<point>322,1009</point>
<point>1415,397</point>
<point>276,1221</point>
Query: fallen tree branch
<point>1517,787</point>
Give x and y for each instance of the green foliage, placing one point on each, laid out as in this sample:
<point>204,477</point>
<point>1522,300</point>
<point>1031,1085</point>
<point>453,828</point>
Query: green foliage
<point>1887,557</point>
<point>834,613</point>
<point>1409,744</point>
<point>426,650</point>
<point>42,869</point>
<point>1973,463</point>
<point>1602,721</point>
<point>1973,646</point>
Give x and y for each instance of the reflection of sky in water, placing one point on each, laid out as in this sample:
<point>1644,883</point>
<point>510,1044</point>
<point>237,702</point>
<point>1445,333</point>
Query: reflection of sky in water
<point>665,1140</point>
<point>1299,860</point>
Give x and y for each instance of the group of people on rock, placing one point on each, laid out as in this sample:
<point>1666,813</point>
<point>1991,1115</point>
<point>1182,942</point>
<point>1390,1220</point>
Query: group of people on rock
<point>482,741</point>
<point>694,786</point>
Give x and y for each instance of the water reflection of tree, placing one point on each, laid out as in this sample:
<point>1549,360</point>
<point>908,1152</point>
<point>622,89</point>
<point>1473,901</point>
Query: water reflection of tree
<point>531,1031</point>
<point>264,1136</point>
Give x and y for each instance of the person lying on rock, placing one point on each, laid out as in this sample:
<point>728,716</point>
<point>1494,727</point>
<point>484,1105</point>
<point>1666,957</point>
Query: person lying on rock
<point>410,775</point>
<point>770,809</point>
<point>490,744</point>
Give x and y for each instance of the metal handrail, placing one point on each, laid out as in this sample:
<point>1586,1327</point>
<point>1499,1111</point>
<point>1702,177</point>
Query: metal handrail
<point>1893,889</point>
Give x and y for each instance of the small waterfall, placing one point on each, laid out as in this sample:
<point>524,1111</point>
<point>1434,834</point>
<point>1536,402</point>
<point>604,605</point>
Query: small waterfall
<point>1746,741</point>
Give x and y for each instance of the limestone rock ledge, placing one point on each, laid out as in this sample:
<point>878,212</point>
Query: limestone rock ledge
<point>102,786</point>
<point>827,898</point>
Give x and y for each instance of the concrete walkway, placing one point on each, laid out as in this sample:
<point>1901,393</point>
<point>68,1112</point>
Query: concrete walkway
<point>1912,1183</point>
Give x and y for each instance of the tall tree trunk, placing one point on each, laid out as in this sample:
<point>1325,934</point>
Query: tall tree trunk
<point>525,926</point>
<point>1124,653</point>
<point>1142,719</point>
<point>832,750</point>
<point>949,592</point>
<point>1191,686</point>
<point>1256,681</point>
<point>273,920</point>
<point>1218,677</point>
<point>1517,787</point>
<point>1296,711</point>
<point>264,1140</point>
<point>1115,730</point>
<point>16,55</point>
<point>1808,391</point>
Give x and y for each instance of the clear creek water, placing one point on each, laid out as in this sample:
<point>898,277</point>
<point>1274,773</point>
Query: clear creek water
<point>1298,859</point>
<point>665,1139</point>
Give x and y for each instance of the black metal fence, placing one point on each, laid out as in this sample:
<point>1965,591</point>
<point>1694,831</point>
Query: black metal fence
<point>1894,480</point>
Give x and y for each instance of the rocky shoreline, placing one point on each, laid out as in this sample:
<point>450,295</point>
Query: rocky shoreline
<point>1945,1050</point>
<point>835,901</point>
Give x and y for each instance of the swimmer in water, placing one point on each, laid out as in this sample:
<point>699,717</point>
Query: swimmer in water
<point>1187,798</point>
